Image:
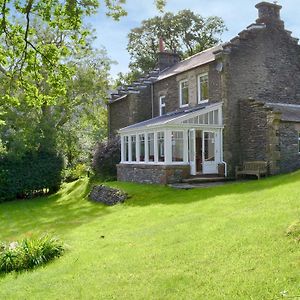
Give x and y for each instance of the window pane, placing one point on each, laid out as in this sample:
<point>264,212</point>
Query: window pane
<point>209,146</point>
<point>151,146</point>
<point>203,86</point>
<point>142,147</point>
<point>162,105</point>
<point>211,117</point>
<point>126,148</point>
<point>161,146</point>
<point>206,118</point>
<point>184,90</point>
<point>177,146</point>
<point>216,117</point>
<point>133,148</point>
<point>201,119</point>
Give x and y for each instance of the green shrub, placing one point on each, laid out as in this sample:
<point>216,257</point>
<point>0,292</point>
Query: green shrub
<point>29,253</point>
<point>72,174</point>
<point>106,157</point>
<point>32,174</point>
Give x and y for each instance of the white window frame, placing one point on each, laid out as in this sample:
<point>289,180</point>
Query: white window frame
<point>180,93</point>
<point>161,105</point>
<point>299,142</point>
<point>184,143</point>
<point>199,87</point>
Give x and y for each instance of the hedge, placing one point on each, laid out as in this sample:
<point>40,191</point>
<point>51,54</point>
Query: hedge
<point>33,174</point>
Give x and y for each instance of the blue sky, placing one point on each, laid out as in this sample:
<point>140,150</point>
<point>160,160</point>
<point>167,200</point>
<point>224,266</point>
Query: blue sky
<point>237,14</point>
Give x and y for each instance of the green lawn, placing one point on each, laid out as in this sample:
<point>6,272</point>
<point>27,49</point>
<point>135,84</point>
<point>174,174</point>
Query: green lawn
<point>226,242</point>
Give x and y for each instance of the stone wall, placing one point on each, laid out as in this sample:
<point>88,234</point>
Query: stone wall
<point>169,87</point>
<point>132,109</point>
<point>158,174</point>
<point>253,131</point>
<point>289,148</point>
<point>259,138</point>
<point>263,64</point>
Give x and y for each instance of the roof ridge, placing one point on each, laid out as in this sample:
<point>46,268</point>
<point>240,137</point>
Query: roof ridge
<point>196,54</point>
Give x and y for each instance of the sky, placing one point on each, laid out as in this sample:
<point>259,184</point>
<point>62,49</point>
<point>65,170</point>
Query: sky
<point>237,14</point>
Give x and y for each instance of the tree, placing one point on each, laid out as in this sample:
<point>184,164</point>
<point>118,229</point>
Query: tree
<point>53,84</point>
<point>186,33</point>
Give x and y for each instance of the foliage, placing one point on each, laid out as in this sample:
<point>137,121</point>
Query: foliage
<point>34,173</point>
<point>185,32</point>
<point>106,156</point>
<point>124,79</point>
<point>76,172</point>
<point>29,253</point>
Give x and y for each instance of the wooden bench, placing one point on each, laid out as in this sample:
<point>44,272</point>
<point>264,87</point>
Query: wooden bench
<point>257,168</point>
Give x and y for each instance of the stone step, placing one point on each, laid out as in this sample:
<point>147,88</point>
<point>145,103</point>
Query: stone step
<point>204,179</point>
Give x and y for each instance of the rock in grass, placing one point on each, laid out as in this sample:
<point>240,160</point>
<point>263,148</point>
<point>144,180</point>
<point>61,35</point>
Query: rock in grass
<point>107,195</point>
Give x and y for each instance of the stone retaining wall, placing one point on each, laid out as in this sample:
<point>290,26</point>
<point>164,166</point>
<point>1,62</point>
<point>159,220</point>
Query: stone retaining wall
<point>158,174</point>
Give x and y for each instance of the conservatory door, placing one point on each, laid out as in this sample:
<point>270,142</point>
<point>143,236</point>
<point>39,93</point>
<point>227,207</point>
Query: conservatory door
<point>192,151</point>
<point>210,146</point>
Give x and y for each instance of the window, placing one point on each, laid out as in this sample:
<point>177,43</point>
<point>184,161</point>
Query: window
<point>299,141</point>
<point>162,105</point>
<point>183,93</point>
<point>203,88</point>
<point>126,148</point>
<point>142,147</point>
<point>209,146</point>
<point>211,118</point>
<point>151,146</point>
<point>177,146</point>
<point>161,146</point>
<point>133,148</point>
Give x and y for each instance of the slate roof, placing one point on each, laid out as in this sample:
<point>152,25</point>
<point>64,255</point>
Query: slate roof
<point>289,112</point>
<point>191,62</point>
<point>161,120</point>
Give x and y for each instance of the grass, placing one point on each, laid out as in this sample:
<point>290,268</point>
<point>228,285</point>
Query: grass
<point>226,242</point>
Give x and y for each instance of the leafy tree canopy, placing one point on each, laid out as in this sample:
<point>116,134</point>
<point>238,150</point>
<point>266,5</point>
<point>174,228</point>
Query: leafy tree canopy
<point>186,33</point>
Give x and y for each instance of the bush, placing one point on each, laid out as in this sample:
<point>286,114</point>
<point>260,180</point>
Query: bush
<point>106,157</point>
<point>33,174</point>
<point>72,174</point>
<point>29,253</point>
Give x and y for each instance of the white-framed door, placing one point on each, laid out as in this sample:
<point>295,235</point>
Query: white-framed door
<point>210,151</point>
<point>204,151</point>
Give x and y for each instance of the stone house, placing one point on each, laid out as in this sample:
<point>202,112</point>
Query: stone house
<point>207,114</point>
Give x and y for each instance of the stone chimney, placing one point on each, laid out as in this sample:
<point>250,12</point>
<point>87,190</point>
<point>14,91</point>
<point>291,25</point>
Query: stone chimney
<point>166,59</point>
<point>269,14</point>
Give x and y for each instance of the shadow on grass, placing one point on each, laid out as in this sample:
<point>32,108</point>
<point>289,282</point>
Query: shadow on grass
<point>143,195</point>
<point>60,212</point>
<point>70,207</point>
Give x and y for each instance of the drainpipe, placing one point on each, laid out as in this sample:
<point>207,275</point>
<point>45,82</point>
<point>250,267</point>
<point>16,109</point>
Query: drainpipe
<point>152,99</point>
<point>222,158</point>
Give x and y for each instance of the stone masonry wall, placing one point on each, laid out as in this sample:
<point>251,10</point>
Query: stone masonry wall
<point>130,110</point>
<point>259,138</point>
<point>169,87</point>
<point>158,174</point>
<point>290,157</point>
<point>263,64</point>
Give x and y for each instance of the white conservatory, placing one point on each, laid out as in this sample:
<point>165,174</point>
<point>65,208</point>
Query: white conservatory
<point>190,137</point>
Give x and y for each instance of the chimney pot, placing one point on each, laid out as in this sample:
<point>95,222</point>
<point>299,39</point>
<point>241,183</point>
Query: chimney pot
<point>161,45</point>
<point>269,13</point>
